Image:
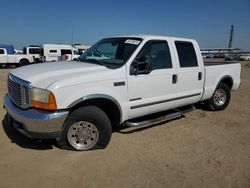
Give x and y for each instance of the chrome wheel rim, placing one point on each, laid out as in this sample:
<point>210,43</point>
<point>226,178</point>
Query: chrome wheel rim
<point>83,135</point>
<point>220,97</point>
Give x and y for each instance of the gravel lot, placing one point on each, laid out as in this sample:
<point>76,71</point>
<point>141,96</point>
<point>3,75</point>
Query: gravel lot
<point>203,149</point>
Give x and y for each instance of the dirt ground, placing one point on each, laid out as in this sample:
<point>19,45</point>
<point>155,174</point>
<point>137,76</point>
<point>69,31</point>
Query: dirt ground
<point>203,149</point>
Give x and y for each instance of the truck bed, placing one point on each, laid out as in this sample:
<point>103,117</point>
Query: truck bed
<point>215,71</point>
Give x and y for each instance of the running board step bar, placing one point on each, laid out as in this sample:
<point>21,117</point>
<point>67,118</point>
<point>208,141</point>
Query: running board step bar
<point>177,113</point>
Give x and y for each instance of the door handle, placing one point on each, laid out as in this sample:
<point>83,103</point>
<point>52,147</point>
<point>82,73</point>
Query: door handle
<point>174,78</point>
<point>200,76</point>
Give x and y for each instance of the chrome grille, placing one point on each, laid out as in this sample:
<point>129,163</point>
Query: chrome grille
<point>15,92</point>
<point>19,91</point>
<point>26,95</point>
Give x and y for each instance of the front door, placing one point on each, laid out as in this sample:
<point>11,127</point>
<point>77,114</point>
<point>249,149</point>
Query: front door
<point>152,91</point>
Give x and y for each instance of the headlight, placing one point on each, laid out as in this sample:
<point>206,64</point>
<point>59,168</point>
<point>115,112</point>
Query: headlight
<point>43,99</point>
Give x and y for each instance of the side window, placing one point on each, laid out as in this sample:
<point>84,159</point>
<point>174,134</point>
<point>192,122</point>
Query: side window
<point>53,51</point>
<point>186,53</point>
<point>34,51</point>
<point>1,51</point>
<point>158,54</point>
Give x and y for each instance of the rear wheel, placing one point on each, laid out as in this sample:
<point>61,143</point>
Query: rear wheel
<point>220,98</point>
<point>24,62</point>
<point>37,60</point>
<point>86,128</point>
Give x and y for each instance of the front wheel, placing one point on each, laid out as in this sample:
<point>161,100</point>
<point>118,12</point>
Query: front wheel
<point>86,128</point>
<point>220,98</point>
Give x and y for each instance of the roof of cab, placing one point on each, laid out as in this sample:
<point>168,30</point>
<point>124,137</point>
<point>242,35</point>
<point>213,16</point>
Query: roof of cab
<point>148,37</point>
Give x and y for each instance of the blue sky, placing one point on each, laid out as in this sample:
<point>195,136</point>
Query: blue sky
<point>36,22</point>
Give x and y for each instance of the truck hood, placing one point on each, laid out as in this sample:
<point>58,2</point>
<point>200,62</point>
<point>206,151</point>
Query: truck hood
<point>44,74</point>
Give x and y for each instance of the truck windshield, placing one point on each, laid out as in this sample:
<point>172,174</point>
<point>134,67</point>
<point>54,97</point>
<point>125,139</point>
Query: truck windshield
<point>111,52</point>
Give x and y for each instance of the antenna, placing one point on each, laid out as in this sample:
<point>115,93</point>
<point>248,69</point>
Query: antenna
<point>72,41</point>
<point>72,34</point>
<point>230,45</point>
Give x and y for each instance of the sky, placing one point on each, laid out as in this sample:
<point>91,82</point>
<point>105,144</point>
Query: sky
<point>87,21</point>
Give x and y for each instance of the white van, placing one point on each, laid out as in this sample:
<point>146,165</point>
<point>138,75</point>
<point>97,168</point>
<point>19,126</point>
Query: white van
<point>53,52</point>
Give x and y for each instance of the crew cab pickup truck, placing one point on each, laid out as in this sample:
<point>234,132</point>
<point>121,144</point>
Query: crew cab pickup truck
<point>14,59</point>
<point>126,80</point>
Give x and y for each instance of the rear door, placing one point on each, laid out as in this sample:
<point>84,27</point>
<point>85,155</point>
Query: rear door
<point>154,91</point>
<point>190,72</point>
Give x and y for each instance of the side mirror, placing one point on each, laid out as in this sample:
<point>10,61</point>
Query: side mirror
<point>140,65</point>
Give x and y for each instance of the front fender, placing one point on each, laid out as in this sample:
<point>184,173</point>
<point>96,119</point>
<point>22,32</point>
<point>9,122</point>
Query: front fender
<point>68,97</point>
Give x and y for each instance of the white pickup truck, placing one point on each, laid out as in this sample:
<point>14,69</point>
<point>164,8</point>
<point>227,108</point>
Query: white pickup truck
<point>14,59</point>
<point>129,80</point>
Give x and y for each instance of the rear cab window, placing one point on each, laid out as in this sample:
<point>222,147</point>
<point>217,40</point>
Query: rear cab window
<point>186,54</point>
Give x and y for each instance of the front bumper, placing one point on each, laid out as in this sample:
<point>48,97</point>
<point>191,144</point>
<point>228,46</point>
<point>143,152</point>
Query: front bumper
<point>36,123</point>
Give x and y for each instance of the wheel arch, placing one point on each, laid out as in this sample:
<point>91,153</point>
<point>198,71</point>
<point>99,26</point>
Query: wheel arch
<point>228,80</point>
<point>37,60</point>
<point>105,102</point>
<point>24,59</point>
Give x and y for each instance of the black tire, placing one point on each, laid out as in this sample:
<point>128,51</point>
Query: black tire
<point>37,60</point>
<point>24,62</point>
<point>216,103</point>
<point>94,116</point>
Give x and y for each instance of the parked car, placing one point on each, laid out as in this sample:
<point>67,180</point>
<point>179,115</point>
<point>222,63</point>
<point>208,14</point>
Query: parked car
<point>219,55</point>
<point>231,57</point>
<point>14,59</point>
<point>209,56</point>
<point>35,51</point>
<point>245,57</point>
<point>118,81</point>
